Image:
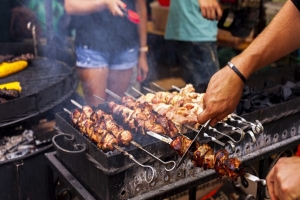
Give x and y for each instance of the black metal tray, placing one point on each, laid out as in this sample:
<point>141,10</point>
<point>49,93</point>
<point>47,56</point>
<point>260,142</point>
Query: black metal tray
<point>115,161</point>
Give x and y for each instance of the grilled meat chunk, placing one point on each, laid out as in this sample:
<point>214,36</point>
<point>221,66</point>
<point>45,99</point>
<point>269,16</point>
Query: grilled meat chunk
<point>152,116</point>
<point>9,94</point>
<point>202,155</point>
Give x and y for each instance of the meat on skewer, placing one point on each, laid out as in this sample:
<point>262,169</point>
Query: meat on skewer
<point>135,119</point>
<point>106,122</point>
<point>96,132</point>
<point>124,136</point>
<point>181,107</point>
<point>147,109</point>
<point>203,156</point>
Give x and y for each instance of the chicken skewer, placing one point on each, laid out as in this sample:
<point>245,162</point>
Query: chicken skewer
<point>165,109</point>
<point>189,127</point>
<point>256,128</point>
<point>123,151</point>
<point>202,155</point>
<point>169,165</point>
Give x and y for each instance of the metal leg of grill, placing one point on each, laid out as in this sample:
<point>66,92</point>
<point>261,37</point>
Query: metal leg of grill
<point>192,193</point>
<point>76,188</point>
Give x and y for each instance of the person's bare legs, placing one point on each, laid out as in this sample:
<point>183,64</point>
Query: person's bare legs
<point>118,82</point>
<point>94,81</point>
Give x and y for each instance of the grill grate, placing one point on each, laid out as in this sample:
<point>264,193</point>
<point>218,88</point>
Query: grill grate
<point>45,84</point>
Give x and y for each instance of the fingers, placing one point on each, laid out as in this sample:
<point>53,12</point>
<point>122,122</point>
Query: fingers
<point>219,13</point>
<point>212,11</point>
<point>116,7</point>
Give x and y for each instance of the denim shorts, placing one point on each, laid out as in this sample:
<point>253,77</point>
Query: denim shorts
<point>89,58</point>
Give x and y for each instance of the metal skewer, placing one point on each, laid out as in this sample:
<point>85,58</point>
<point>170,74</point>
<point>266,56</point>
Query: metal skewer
<point>149,90</point>
<point>256,128</point>
<point>113,94</point>
<point>206,135</point>
<point>129,95</point>
<point>176,88</point>
<point>158,86</point>
<point>201,131</point>
<point>137,91</point>
<point>246,175</point>
<point>171,164</point>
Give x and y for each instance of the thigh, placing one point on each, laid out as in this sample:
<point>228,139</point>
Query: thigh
<point>92,69</point>
<point>118,81</point>
<point>93,82</point>
<point>120,70</point>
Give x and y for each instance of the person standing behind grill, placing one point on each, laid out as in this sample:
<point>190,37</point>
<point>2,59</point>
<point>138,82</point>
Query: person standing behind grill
<point>278,39</point>
<point>108,45</point>
<point>192,25</point>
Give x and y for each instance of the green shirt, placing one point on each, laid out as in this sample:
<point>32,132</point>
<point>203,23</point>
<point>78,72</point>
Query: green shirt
<point>186,23</point>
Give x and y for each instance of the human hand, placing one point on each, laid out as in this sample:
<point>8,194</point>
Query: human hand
<point>284,179</point>
<point>142,67</point>
<point>210,9</point>
<point>115,7</point>
<point>222,96</point>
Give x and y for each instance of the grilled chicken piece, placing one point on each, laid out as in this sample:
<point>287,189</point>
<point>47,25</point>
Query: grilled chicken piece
<point>204,157</point>
<point>124,137</point>
<point>227,166</point>
<point>152,116</point>
<point>180,144</point>
<point>87,110</point>
<point>98,134</point>
<point>135,119</point>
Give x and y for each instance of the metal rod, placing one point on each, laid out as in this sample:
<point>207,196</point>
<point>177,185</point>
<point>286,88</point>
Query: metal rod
<point>99,98</point>
<point>202,130</point>
<point>236,129</point>
<point>206,135</point>
<point>113,94</point>
<point>132,158</point>
<point>137,91</point>
<point>176,88</point>
<point>149,90</point>
<point>76,104</point>
<point>165,163</point>
<point>158,86</point>
<point>129,95</point>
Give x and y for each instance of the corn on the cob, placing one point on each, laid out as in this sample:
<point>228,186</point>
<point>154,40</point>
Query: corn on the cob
<point>8,68</point>
<point>12,86</point>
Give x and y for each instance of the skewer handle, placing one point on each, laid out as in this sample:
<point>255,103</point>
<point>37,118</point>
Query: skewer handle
<point>165,163</point>
<point>132,158</point>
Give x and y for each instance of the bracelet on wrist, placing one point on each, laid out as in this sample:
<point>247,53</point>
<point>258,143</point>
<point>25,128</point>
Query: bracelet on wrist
<point>237,71</point>
<point>143,49</point>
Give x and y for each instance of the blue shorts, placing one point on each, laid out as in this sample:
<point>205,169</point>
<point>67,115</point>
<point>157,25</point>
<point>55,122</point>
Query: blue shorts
<point>88,58</point>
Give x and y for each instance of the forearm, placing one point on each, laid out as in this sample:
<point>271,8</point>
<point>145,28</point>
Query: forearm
<point>86,7</point>
<point>280,38</point>
<point>142,27</point>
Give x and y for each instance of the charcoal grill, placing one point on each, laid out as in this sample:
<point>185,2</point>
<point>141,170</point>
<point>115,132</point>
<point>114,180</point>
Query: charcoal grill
<point>113,176</point>
<point>45,84</point>
<point>120,177</point>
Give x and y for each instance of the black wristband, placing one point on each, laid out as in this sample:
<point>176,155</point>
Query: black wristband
<point>237,71</point>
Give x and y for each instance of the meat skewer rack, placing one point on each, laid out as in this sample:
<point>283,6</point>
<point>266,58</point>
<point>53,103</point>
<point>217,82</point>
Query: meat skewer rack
<point>106,169</point>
